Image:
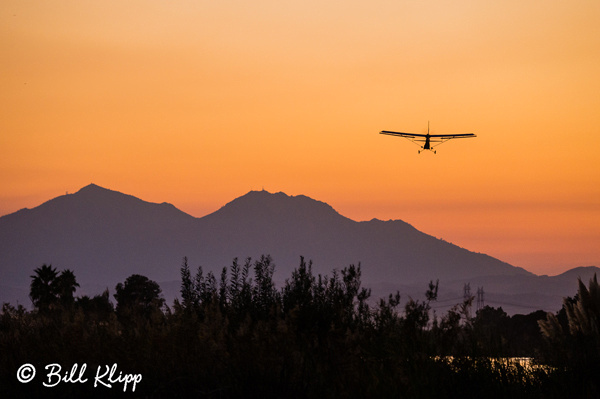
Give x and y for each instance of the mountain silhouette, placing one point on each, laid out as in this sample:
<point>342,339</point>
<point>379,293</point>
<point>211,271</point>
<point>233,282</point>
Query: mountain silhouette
<point>290,226</point>
<point>104,236</point>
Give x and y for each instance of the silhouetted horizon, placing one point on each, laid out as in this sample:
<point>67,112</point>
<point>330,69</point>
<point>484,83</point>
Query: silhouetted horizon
<point>105,235</point>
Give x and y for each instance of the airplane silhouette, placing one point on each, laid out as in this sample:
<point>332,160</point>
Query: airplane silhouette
<point>428,139</point>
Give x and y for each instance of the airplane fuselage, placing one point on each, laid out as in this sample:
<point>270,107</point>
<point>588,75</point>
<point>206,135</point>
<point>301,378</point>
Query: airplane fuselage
<point>427,145</point>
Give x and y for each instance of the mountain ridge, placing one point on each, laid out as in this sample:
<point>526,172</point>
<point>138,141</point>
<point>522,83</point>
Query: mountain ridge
<point>105,236</point>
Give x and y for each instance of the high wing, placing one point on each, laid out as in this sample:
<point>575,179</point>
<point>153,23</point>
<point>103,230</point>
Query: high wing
<point>453,136</point>
<point>441,136</point>
<point>407,135</point>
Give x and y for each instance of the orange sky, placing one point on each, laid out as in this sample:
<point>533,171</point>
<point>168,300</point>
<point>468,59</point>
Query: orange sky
<point>197,102</point>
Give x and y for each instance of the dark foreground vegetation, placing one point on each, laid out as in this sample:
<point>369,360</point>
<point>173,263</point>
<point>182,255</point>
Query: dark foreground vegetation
<point>237,335</point>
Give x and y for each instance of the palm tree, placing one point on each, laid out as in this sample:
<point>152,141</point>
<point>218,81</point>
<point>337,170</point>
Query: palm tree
<point>49,288</point>
<point>66,284</point>
<point>43,287</point>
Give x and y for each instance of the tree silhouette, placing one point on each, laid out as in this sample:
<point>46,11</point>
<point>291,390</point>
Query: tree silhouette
<point>189,295</point>
<point>584,314</point>
<point>316,337</point>
<point>99,306</point>
<point>43,287</point>
<point>138,296</point>
<point>49,289</point>
<point>265,294</point>
<point>66,284</point>
<point>578,346</point>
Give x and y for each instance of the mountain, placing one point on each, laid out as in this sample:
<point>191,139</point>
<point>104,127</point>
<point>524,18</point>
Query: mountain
<point>287,227</point>
<point>104,236</point>
<point>98,233</point>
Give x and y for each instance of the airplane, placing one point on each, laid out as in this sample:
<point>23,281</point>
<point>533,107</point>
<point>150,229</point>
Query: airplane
<point>428,138</point>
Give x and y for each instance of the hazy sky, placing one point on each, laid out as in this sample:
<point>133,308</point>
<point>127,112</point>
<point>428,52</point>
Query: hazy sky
<point>198,102</point>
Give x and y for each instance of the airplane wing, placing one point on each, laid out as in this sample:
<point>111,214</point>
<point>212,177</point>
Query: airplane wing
<point>440,136</point>
<point>407,135</point>
<point>453,136</point>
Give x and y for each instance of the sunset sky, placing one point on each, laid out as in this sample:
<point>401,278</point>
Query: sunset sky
<point>197,102</point>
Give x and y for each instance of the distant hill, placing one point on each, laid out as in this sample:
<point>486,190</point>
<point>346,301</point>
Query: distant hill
<point>104,236</point>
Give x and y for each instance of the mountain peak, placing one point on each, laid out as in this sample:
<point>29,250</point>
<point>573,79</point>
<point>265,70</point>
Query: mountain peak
<point>94,190</point>
<point>91,188</point>
<point>94,201</point>
<point>580,272</point>
<point>267,205</point>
